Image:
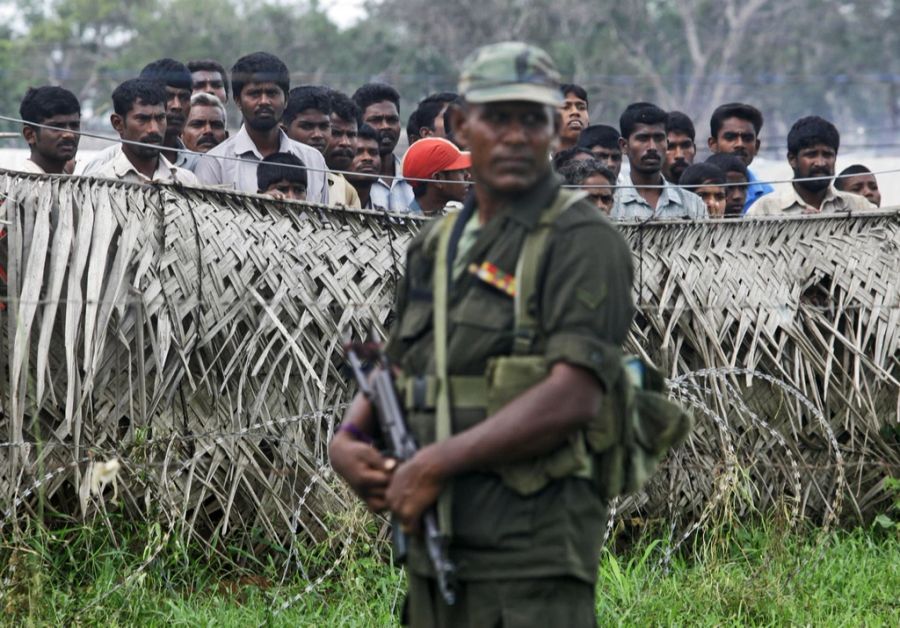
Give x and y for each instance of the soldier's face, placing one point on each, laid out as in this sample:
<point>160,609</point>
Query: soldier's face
<point>510,143</point>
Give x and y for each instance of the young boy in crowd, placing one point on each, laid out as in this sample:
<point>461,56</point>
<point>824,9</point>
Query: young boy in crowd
<point>737,177</point>
<point>282,176</point>
<point>706,181</point>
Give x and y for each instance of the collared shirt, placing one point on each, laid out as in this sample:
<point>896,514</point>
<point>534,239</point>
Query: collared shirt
<point>673,203</point>
<point>755,189</point>
<point>241,175</point>
<point>185,161</point>
<point>397,196</point>
<point>340,192</point>
<point>26,165</point>
<point>787,201</point>
<point>583,306</point>
<point>119,167</point>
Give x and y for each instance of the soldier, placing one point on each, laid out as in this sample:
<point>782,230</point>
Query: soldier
<point>521,382</point>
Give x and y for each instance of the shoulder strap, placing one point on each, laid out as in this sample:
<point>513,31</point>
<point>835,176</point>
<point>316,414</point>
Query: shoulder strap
<point>527,268</point>
<point>441,289</point>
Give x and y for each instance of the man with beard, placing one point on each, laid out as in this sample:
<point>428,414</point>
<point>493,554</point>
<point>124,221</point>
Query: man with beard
<point>813,144</point>
<point>734,129</point>
<point>206,124</point>
<point>428,118</point>
<point>139,107</point>
<point>51,149</point>
<point>260,83</point>
<point>380,106</point>
<point>366,162</point>
<point>575,115</point>
<point>603,141</point>
<point>341,149</point>
<point>209,77</point>
<point>649,195</point>
<point>176,79</point>
<point>680,147</point>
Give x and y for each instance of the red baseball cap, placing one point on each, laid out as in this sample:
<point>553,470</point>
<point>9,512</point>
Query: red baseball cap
<point>431,155</point>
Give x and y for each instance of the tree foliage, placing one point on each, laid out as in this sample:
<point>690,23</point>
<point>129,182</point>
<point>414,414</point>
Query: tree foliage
<point>790,57</point>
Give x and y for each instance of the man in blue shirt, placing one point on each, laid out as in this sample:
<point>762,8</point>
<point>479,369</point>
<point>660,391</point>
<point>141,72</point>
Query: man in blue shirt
<point>734,129</point>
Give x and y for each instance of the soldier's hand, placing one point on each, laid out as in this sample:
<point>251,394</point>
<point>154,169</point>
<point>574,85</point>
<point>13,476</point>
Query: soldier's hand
<point>414,487</point>
<point>363,468</point>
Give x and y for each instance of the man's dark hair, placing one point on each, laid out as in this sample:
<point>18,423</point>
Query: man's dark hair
<point>678,122</point>
<point>306,97</point>
<point>640,113</point>
<point>810,131</point>
<point>575,172</point>
<point>169,72</point>
<point>572,88</point>
<point>452,106</point>
<point>210,65</point>
<point>703,173</point>
<point>367,132</point>
<point>728,163</point>
<point>343,106</point>
<point>599,135</point>
<point>426,113</point>
<point>840,182</point>
<point>259,67</point>
<point>567,155</point>
<point>371,93</point>
<point>280,167</point>
<point>737,110</point>
<point>148,91</point>
<point>45,102</point>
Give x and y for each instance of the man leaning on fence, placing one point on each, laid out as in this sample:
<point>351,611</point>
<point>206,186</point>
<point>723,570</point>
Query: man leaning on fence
<point>520,385</point>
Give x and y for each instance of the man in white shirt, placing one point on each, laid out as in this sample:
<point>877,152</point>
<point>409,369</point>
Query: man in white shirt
<point>813,144</point>
<point>139,107</point>
<point>380,106</point>
<point>260,83</point>
<point>176,79</point>
<point>648,195</point>
<point>51,149</point>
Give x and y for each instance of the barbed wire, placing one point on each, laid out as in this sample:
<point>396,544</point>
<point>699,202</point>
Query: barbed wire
<point>256,162</point>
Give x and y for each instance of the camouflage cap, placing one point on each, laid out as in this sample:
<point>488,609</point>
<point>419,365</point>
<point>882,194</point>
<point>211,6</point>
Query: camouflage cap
<point>510,70</point>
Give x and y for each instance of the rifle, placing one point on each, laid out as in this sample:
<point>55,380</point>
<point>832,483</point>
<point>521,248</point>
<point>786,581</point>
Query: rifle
<point>381,393</point>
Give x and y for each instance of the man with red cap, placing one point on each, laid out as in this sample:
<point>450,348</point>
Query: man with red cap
<point>438,159</point>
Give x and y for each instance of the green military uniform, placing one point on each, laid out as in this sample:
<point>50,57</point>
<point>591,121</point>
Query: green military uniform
<point>521,559</point>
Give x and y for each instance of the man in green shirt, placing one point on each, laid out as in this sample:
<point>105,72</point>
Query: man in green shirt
<point>524,557</point>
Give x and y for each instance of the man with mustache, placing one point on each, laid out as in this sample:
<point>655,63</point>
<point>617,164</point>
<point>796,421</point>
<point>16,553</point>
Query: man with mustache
<point>366,162</point>
<point>206,125</point>
<point>176,79</point>
<point>734,129</point>
<point>526,555</point>
<point>575,115</point>
<point>260,82</point>
<point>139,107</point>
<point>51,149</point>
<point>680,147</point>
<point>812,144</point>
<point>380,106</point>
<point>647,195</point>
<point>341,149</point>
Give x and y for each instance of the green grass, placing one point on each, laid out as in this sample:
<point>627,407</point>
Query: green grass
<point>758,575</point>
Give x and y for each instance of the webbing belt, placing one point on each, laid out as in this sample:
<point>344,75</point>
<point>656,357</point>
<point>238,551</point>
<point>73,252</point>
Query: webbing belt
<point>421,393</point>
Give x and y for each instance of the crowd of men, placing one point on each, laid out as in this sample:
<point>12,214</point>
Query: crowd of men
<point>318,144</point>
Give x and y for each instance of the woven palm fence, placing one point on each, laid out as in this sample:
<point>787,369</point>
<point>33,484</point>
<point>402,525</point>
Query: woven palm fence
<point>175,353</point>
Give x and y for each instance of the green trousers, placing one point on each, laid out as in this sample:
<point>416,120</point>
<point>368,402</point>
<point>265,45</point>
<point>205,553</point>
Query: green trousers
<point>539,602</point>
